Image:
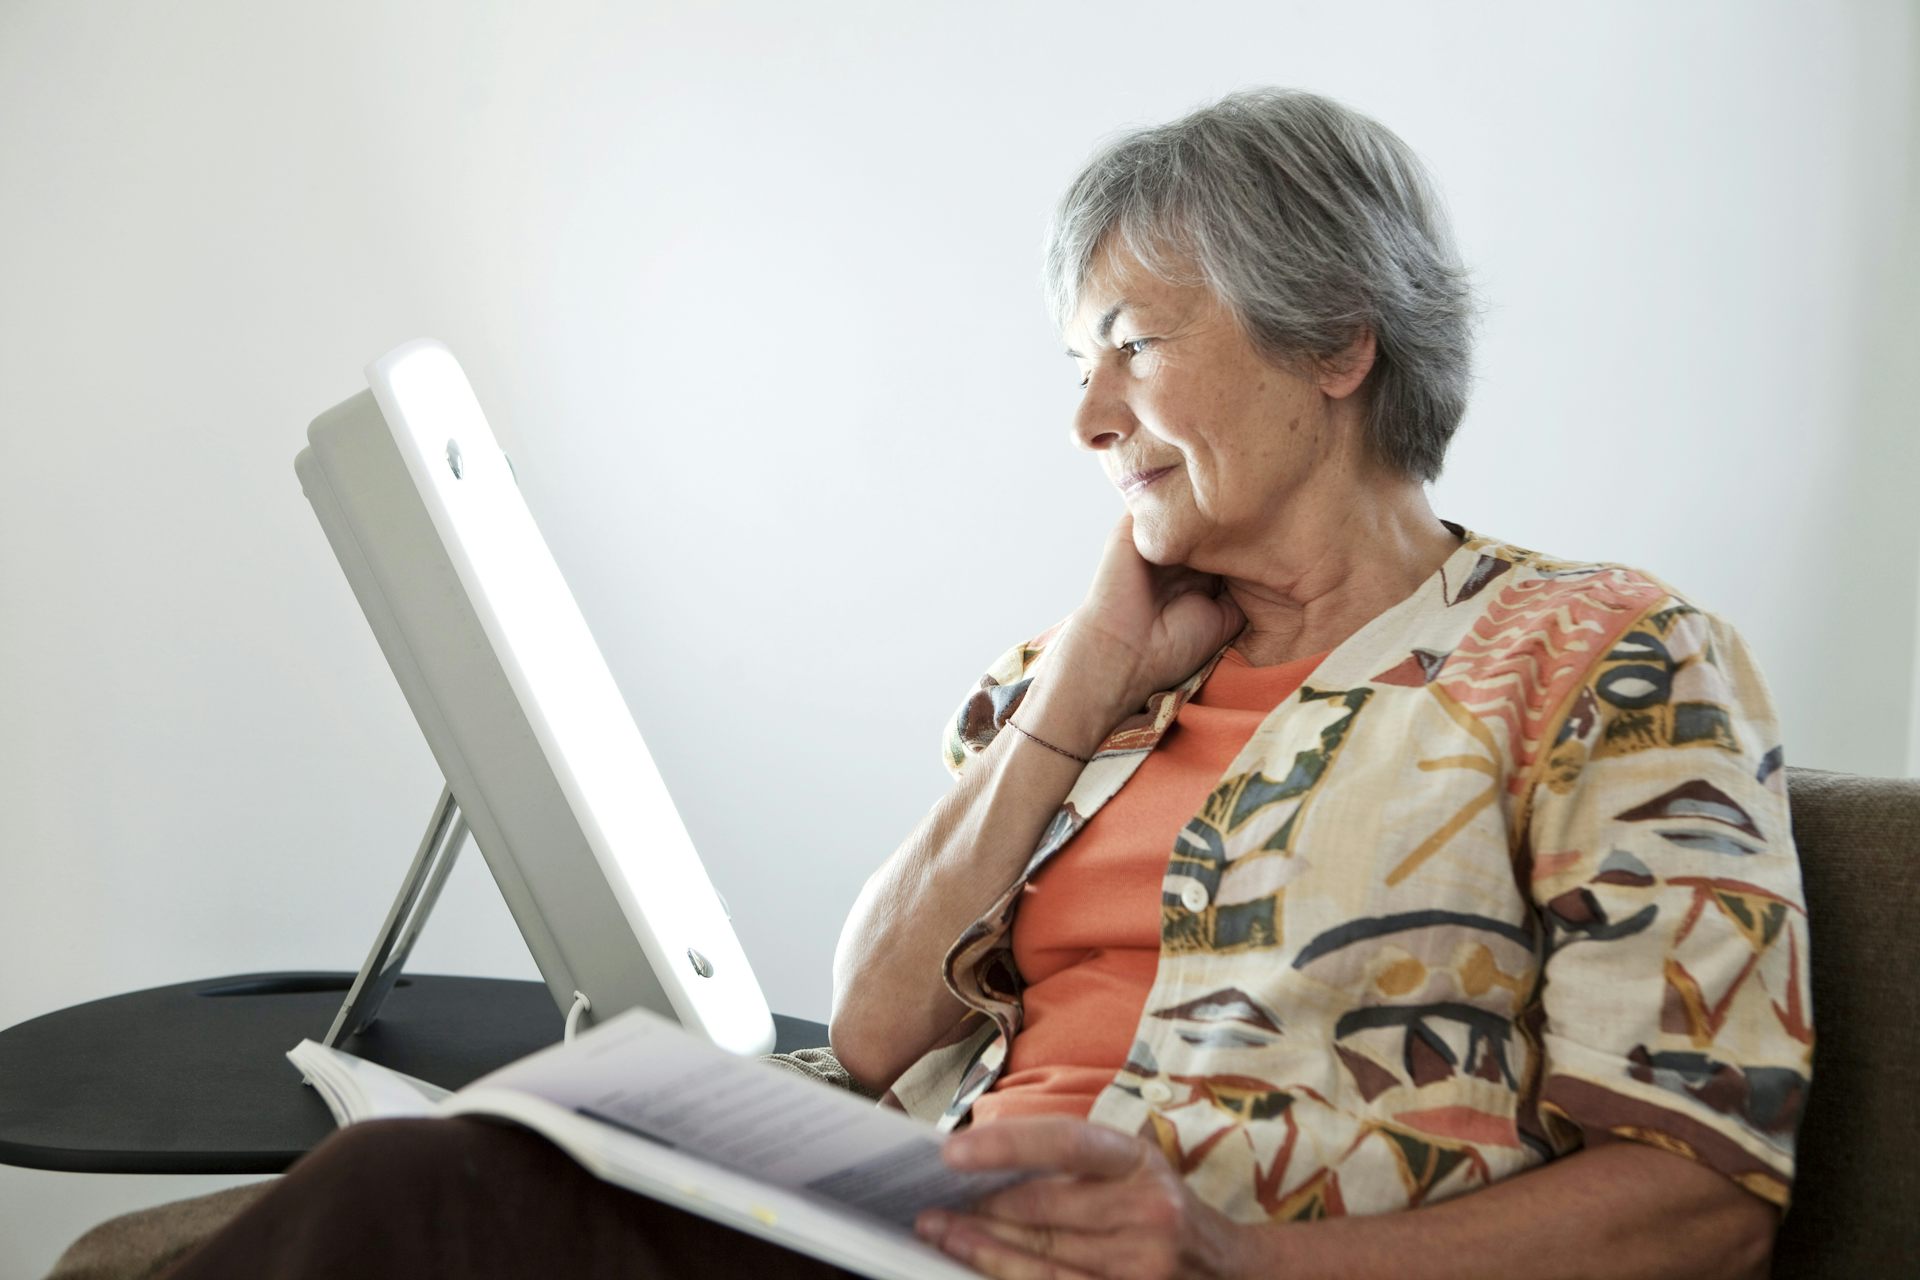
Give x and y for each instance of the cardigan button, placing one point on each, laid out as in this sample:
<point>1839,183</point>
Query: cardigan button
<point>1193,896</point>
<point>1157,1092</point>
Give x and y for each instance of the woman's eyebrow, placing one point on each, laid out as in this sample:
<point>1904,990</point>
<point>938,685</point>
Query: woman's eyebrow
<point>1105,327</point>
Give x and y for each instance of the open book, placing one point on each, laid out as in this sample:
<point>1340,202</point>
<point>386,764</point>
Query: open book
<point>650,1107</point>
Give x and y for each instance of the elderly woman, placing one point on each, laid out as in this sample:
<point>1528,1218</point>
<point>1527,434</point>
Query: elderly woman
<point>1336,891</point>
<point>1330,859</point>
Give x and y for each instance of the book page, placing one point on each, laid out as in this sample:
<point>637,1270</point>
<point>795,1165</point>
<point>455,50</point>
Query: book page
<point>645,1076</point>
<point>794,1219</point>
<point>355,1089</point>
<point>848,1199</point>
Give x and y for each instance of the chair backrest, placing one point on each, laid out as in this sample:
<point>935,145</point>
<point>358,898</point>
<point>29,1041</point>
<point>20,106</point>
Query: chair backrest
<point>1856,1193</point>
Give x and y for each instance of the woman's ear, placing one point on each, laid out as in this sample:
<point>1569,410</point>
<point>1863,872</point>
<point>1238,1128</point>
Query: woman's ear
<point>1342,375</point>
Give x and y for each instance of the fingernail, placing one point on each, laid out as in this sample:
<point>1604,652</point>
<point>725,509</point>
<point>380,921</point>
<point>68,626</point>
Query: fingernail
<point>931,1226</point>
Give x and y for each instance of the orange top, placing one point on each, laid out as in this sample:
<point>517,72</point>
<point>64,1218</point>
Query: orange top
<point>1087,934</point>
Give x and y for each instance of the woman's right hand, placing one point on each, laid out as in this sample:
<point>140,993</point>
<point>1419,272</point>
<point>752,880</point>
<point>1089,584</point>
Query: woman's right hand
<point>1143,627</point>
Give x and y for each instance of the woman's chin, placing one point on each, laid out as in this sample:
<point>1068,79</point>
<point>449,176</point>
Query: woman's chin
<point>1156,543</point>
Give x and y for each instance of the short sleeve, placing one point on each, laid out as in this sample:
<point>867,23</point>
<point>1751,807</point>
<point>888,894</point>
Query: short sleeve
<point>984,711</point>
<point>1676,1002</point>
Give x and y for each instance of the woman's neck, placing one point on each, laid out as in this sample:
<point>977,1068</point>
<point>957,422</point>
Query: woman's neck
<point>1330,572</point>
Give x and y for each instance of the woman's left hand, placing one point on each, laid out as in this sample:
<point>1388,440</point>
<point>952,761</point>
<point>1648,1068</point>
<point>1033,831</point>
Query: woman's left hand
<point>1115,1209</point>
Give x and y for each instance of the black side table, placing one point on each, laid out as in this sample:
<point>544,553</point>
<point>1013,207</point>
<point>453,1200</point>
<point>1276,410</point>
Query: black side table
<point>193,1078</point>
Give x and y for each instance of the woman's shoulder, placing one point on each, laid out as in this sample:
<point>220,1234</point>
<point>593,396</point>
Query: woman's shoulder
<point>1541,625</point>
<point>1537,579</point>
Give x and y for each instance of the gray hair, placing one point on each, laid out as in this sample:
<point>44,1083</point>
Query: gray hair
<point>1310,222</point>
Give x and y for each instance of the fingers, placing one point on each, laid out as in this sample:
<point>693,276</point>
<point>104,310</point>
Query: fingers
<point>1061,1144</point>
<point>1012,1252</point>
<point>1121,533</point>
<point>1114,1208</point>
<point>1200,623</point>
<point>1070,1203</point>
<point>1233,620</point>
<point>1173,581</point>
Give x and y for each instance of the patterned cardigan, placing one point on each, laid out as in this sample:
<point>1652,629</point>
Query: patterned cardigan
<point>1511,873</point>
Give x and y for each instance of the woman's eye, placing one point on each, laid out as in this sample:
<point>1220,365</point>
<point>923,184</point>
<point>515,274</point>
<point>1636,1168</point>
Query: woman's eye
<point>1133,347</point>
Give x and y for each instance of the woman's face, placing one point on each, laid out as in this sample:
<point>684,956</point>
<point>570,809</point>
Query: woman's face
<point>1210,443</point>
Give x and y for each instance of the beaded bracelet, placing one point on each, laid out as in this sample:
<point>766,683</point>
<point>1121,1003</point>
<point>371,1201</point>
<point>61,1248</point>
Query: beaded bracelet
<point>1048,745</point>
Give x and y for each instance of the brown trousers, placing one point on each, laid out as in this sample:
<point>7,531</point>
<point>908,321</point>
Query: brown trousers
<point>472,1198</point>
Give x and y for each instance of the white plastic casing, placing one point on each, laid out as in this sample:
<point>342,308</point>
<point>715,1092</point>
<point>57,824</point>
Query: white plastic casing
<point>518,706</point>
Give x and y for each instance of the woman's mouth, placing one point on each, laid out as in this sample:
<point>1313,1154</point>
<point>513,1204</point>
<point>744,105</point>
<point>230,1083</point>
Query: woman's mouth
<point>1132,484</point>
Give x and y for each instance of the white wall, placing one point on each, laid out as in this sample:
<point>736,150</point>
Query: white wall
<point>749,292</point>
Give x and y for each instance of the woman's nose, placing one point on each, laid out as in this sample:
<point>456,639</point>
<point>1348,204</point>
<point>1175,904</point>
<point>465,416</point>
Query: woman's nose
<point>1102,419</point>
